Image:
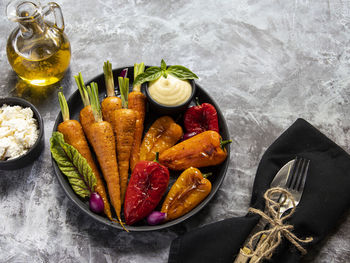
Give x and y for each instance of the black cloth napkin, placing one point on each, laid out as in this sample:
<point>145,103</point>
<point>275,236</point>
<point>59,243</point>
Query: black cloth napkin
<point>326,199</point>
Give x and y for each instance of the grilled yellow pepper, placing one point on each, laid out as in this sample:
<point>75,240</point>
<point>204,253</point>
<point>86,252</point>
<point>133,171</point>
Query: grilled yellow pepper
<point>163,134</point>
<point>186,193</point>
<point>204,149</point>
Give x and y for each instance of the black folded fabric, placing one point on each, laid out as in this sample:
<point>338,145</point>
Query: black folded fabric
<point>325,200</point>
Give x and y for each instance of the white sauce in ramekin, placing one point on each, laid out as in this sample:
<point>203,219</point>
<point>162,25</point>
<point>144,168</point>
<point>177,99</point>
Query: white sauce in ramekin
<point>170,91</point>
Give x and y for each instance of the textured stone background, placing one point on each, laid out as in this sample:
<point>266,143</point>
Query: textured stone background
<point>265,62</point>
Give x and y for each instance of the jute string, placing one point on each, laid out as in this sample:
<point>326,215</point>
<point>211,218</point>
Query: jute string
<point>277,228</point>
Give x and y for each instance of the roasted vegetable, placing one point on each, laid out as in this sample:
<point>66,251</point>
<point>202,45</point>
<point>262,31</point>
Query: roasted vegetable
<point>74,135</point>
<point>155,218</point>
<point>163,134</point>
<point>96,203</point>
<point>186,193</point>
<point>137,102</point>
<point>188,135</point>
<point>200,118</point>
<point>123,123</point>
<point>86,116</point>
<point>111,102</point>
<point>147,185</point>
<point>103,143</point>
<point>204,149</point>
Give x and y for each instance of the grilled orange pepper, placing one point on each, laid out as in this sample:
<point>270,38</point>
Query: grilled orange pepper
<point>163,134</point>
<point>204,149</point>
<point>186,193</point>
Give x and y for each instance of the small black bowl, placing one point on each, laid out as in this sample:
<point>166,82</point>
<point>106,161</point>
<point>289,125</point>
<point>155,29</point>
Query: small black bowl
<point>36,149</point>
<point>162,109</point>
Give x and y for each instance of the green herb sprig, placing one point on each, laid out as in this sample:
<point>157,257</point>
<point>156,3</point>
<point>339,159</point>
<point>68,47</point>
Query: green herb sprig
<point>154,73</point>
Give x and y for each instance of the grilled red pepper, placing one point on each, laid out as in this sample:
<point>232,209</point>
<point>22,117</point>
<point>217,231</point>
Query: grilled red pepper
<point>147,185</point>
<point>200,118</point>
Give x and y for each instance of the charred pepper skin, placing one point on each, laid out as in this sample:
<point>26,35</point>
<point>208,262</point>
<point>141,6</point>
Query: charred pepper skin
<point>187,192</point>
<point>163,134</point>
<point>147,185</point>
<point>201,118</point>
<point>202,150</point>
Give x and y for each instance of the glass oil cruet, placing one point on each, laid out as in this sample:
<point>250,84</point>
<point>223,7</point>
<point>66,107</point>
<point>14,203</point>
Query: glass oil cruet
<point>38,49</point>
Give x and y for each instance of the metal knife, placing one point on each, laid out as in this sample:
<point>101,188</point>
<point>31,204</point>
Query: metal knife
<point>280,179</point>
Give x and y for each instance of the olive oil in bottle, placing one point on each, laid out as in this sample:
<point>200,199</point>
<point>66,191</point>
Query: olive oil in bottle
<point>38,51</point>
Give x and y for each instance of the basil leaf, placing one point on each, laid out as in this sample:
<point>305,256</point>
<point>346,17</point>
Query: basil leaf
<point>150,74</point>
<point>73,165</point>
<point>163,65</point>
<point>181,72</point>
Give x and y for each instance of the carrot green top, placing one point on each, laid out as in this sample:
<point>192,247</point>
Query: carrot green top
<point>124,91</point>
<point>95,103</point>
<point>82,89</point>
<point>64,106</point>
<point>107,70</point>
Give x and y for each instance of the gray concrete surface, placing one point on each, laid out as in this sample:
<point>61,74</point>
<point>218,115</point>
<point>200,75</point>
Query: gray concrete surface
<point>266,63</point>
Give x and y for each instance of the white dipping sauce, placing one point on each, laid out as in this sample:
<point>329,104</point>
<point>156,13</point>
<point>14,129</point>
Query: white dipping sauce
<point>170,91</point>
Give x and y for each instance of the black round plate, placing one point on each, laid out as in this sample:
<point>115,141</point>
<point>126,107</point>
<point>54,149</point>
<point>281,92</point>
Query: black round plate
<point>75,105</point>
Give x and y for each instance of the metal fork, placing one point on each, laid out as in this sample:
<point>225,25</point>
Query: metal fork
<point>291,176</point>
<point>295,184</point>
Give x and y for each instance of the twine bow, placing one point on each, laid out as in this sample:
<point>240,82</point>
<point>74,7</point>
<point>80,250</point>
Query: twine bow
<point>277,227</point>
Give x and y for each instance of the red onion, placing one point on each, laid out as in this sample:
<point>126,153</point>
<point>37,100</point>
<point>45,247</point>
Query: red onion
<point>124,73</point>
<point>189,135</point>
<point>155,218</point>
<point>96,203</point>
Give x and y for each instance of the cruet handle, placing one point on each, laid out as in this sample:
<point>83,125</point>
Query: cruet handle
<point>54,8</point>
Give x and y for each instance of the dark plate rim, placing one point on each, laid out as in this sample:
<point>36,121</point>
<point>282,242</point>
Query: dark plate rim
<point>77,200</point>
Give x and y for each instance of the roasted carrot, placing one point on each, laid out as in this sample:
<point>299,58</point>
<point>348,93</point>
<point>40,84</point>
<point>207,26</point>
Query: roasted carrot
<point>86,116</point>
<point>103,143</point>
<point>74,135</point>
<point>111,102</point>
<point>123,122</point>
<point>135,150</point>
<point>137,102</point>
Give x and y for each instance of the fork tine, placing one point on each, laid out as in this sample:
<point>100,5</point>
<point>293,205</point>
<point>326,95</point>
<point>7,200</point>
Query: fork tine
<point>298,173</point>
<point>301,179</point>
<point>293,172</point>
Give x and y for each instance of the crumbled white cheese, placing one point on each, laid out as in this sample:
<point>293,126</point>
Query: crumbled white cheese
<point>18,131</point>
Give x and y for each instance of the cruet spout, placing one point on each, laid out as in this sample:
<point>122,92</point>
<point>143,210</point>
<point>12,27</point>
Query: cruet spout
<point>27,14</point>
